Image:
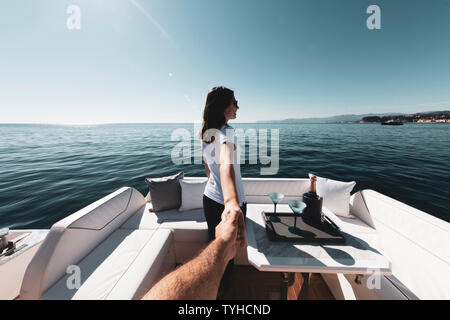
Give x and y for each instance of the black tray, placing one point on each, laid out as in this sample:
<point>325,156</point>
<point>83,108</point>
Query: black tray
<point>324,233</point>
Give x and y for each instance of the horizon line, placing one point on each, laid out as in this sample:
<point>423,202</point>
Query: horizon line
<point>193,122</point>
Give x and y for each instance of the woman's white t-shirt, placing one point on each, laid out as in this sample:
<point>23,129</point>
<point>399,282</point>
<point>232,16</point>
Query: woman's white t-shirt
<point>211,153</point>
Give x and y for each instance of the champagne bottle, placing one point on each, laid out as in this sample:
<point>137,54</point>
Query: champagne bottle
<point>313,211</point>
<point>312,188</point>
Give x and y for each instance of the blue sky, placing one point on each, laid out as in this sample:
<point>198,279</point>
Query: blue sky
<point>155,60</point>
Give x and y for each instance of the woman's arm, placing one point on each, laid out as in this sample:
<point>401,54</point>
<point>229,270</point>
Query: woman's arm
<point>206,167</point>
<point>227,180</point>
<point>227,176</point>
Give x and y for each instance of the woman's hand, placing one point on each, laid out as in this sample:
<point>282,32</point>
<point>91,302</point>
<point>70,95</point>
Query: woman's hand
<point>231,231</point>
<point>232,209</point>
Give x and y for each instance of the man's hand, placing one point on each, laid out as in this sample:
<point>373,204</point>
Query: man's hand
<point>234,209</point>
<point>231,230</point>
<point>200,277</point>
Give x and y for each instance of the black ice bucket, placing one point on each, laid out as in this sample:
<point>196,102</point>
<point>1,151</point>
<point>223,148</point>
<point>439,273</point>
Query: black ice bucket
<point>312,214</point>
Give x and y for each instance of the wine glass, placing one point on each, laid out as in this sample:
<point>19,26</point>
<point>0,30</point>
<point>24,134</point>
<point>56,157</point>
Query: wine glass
<point>276,198</point>
<point>296,207</point>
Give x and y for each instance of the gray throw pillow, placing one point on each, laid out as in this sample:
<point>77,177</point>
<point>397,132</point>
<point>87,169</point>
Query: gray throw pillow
<point>165,192</point>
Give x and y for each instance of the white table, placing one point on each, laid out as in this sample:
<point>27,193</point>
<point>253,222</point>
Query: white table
<point>356,256</point>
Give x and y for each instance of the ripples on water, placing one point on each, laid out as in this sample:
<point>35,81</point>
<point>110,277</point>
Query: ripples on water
<point>48,172</point>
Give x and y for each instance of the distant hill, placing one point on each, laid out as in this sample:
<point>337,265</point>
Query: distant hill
<point>432,116</point>
<point>334,119</point>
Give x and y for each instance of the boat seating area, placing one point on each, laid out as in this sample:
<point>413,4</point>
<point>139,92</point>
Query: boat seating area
<point>189,229</point>
<point>122,248</point>
<point>416,243</point>
<point>113,263</point>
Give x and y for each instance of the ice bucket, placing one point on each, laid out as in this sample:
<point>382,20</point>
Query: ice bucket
<point>312,214</point>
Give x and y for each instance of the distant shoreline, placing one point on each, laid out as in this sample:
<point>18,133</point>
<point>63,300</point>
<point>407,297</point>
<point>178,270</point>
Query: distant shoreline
<point>420,117</point>
<point>190,123</point>
<point>432,116</point>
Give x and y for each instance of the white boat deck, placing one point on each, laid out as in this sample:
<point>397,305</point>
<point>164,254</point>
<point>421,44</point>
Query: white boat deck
<point>384,234</point>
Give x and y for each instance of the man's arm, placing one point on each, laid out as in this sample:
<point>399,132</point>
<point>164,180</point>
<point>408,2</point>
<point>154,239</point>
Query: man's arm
<point>200,277</point>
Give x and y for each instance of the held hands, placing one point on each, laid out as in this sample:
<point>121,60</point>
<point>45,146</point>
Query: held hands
<point>231,230</point>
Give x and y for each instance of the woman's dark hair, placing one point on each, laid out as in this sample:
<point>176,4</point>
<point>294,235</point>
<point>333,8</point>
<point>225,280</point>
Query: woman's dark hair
<point>218,99</point>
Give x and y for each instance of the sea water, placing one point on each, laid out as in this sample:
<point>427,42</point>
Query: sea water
<point>50,171</point>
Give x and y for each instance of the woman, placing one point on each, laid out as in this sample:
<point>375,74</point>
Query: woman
<point>224,192</point>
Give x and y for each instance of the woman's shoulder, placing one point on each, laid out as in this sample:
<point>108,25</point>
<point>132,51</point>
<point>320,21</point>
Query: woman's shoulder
<point>226,127</point>
<point>227,134</point>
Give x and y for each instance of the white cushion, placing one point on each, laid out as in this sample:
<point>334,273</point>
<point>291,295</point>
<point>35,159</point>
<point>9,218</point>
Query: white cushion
<point>189,229</point>
<point>73,237</point>
<point>336,195</point>
<point>190,226</point>
<point>192,194</point>
<point>352,225</point>
<point>124,266</point>
<point>101,213</point>
<point>415,242</point>
<point>344,287</point>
